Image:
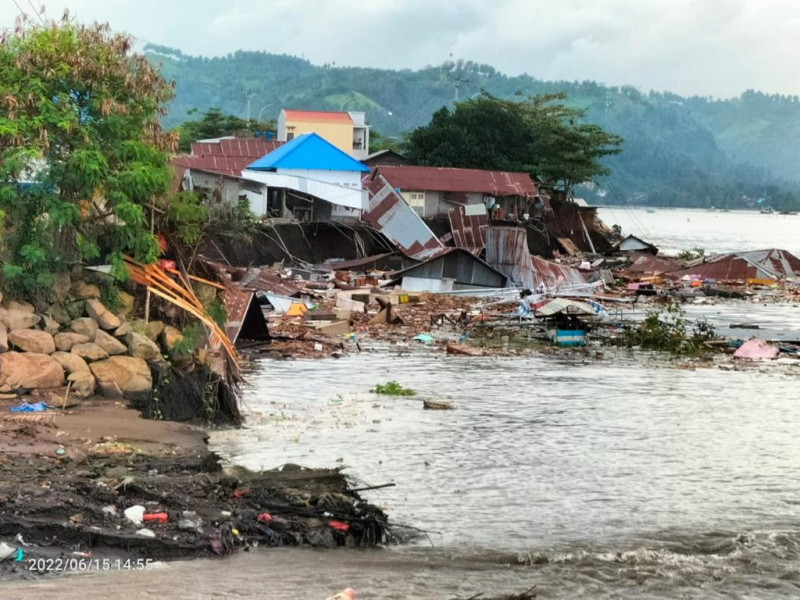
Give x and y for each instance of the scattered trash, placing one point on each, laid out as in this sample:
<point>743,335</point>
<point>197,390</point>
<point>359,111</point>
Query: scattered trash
<point>347,594</point>
<point>756,349</point>
<point>264,518</point>
<point>110,509</point>
<point>240,492</point>
<point>82,554</point>
<point>425,338</point>
<point>145,533</point>
<point>60,451</point>
<point>28,407</point>
<point>339,526</point>
<point>436,405</point>
<point>7,551</point>
<point>135,514</point>
<point>317,346</point>
<point>189,524</point>
<point>160,518</point>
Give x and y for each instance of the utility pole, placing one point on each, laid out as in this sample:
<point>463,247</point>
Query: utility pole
<point>249,95</point>
<point>457,81</point>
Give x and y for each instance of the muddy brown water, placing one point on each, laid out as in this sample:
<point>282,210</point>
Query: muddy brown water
<point>590,479</point>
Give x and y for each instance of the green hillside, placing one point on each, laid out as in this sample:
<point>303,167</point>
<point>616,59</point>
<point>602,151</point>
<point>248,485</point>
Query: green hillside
<point>678,151</point>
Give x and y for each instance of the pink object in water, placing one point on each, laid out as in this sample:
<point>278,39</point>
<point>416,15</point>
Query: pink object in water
<point>756,349</point>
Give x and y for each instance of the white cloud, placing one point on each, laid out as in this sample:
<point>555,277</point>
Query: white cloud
<point>708,47</point>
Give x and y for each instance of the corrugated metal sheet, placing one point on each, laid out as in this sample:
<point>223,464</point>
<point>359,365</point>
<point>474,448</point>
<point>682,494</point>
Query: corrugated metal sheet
<point>222,165</point>
<point>469,231</point>
<point>236,302</point>
<point>458,264</point>
<point>564,305</point>
<point>469,181</point>
<point>553,277</point>
<point>264,280</point>
<point>507,251</point>
<point>739,266</point>
<point>647,263</point>
<point>390,214</point>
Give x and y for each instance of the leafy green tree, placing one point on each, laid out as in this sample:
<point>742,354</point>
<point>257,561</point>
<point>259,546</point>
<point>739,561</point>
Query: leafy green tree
<point>541,136</point>
<point>82,155</point>
<point>213,123</point>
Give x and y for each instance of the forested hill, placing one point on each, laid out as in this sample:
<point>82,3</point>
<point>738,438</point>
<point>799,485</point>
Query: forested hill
<point>678,151</point>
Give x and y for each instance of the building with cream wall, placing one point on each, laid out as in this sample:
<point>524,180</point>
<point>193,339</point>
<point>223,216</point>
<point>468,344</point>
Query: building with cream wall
<point>347,131</point>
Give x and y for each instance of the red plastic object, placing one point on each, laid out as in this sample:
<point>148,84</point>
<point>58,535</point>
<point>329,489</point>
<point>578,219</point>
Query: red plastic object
<point>338,526</point>
<point>264,518</point>
<point>159,518</point>
<point>238,493</point>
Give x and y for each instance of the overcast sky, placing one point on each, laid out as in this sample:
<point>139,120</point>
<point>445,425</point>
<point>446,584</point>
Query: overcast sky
<point>708,47</point>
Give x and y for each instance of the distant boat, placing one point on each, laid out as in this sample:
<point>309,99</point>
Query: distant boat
<point>787,212</point>
<point>767,210</point>
<point>650,210</point>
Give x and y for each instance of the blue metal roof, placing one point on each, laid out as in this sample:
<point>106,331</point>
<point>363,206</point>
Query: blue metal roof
<point>308,151</point>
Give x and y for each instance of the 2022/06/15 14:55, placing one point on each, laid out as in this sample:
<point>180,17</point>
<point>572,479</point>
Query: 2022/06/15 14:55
<point>44,565</point>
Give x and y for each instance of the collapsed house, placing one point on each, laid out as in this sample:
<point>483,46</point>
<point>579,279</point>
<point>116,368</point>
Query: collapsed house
<point>753,266</point>
<point>434,191</point>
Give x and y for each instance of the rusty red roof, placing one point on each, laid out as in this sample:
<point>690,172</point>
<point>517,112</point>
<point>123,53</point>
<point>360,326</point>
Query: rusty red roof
<point>252,148</point>
<point>225,157</point>
<point>469,231</point>
<point>222,165</point>
<point>739,266</point>
<point>318,115</point>
<point>467,181</point>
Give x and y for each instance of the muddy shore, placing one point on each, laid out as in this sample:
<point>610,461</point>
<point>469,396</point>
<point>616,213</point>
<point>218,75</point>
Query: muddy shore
<point>67,477</point>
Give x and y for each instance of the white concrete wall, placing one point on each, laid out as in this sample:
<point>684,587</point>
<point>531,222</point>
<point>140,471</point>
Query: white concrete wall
<point>346,192</point>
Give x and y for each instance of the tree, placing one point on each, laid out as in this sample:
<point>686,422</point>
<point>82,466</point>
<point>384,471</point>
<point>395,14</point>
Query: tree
<point>540,136</point>
<point>213,124</point>
<point>82,155</point>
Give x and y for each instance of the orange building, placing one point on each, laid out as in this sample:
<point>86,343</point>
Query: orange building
<point>345,130</point>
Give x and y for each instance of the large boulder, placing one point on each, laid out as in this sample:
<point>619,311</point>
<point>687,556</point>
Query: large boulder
<point>61,286</point>
<point>122,376</point>
<point>85,326</point>
<point>126,303</point>
<point>123,330</point>
<point>59,313</point>
<point>72,363</point>
<point>18,319</point>
<point>3,338</point>
<point>84,291</point>
<point>29,370</point>
<point>49,324</point>
<point>109,343</point>
<point>89,352</point>
<point>151,329</point>
<point>83,383</point>
<point>142,347</point>
<point>32,340</point>
<point>21,306</point>
<point>104,317</point>
<point>67,339</point>
<point>171,336</point>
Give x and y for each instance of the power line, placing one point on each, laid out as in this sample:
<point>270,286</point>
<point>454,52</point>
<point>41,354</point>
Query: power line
<point>38,15</point>
<point>21,12</point>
